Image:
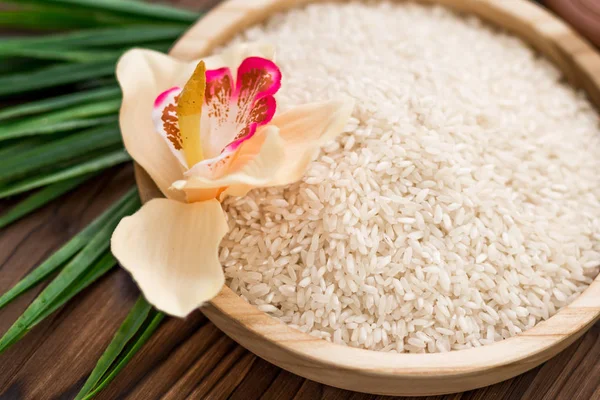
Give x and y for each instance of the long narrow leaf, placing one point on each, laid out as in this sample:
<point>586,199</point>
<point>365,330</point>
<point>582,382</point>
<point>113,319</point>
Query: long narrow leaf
<point>125,36</point>
<point>59,18</point>
<point>58,121</point>
<point>8,149</point>
<point>56,103</point>
<point>37,200</point>
<point>94,165</point>
<point>130,327</point>
<point>131,351</point>
<point>59,150</point>
<point>55,127</point>
<point>10,65</point>
<point>62,255</point>
<point>126,7</point>
<point>56,75</point>
<point>26,19</point>
<point>69,275</point>
<point>47,53</point>
<point>66,126</point>
<point>58,53</point>
<point>99,268</point>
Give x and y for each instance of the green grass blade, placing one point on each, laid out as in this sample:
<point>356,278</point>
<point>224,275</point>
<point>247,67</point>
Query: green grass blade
<point>33,20</point>
<point>99,268</point>
<point>96,83</point>
<point>95,271</point>
<point>59,126</point>
<point>130,327</point>
<point>70,274</point>
<point>62,255</point>
<point>43,16</point>
<point>126,7</point>
<point>55,18</point>
<point>125,36</point>
<point>62,54</point>
<point>60,150</point>
<point>55,75</point>
<point>132,349</point>
<point>55,103</point>
<point>56,53</point>
<point>94,165</point>
<point>10,65</point>
<point>39,199</point>
<point>15,147</point>
<point>59,121</point>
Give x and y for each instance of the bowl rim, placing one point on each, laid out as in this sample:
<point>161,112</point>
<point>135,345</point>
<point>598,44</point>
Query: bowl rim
<point>565,48</point>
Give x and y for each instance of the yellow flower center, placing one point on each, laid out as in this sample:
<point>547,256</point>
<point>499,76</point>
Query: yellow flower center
<point>189,111</point>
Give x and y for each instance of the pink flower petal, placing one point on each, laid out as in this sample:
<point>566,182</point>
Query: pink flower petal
<point>163,99</point>
<point>234,113</point>
<point>216,167</point>
<point>262,113</point>
<point>166,122</point>
<point>257,77</point>
<point>244,135</point>
<point>219,89</point>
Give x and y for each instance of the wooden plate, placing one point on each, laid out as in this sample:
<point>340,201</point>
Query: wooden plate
<point>391,373</point>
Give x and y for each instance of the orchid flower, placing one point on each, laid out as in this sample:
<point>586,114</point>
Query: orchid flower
<point>205,130</point>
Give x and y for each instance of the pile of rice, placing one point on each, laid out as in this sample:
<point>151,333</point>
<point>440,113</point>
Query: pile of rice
<point>461,206</point>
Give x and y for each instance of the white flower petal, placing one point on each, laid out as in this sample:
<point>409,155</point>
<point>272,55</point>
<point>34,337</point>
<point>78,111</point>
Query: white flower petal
<point>171,250</point>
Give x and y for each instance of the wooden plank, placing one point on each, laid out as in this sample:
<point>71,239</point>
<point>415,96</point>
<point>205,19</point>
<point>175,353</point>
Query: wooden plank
<point>186,358</point>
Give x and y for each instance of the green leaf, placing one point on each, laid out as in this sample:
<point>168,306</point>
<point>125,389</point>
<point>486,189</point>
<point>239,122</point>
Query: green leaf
<point>125,36</point>
<point>76,269</point>
<point>99,268</point>
<point>62,255</point>
<point>57,53</point>
<point>37,200</point>
<point>59,18</point>
<point>61,120</point>
<point>55,103</point>
<point>96,82</point>
<point>57,151</point>
<point>61,126</point>
<point>94,165</point>
<point>126,7</point>
<point>155,318</point>
<point>55,75</point>
<point>11,148</point>
<point>48,53</point>
<point>130,327</point>
<point>10,65</point>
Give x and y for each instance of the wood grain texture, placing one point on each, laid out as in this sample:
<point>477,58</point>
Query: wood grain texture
<point>186,358</point>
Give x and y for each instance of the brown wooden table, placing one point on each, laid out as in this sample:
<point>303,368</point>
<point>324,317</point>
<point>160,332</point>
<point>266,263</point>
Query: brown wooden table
<point>187,358</point>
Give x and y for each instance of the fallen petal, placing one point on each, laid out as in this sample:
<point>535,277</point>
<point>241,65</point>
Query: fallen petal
<point>171,250</point>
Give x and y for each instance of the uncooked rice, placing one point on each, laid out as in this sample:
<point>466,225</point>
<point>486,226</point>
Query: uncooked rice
<point>461,206</point>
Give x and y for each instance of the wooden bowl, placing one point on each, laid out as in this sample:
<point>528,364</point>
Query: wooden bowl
<point>391,373</point>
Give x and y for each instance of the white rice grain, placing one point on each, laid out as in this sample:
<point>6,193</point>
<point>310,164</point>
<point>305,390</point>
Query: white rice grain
<point>460,207</point>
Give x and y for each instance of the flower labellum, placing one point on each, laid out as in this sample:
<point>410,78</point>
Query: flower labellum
<point>205,137</point>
